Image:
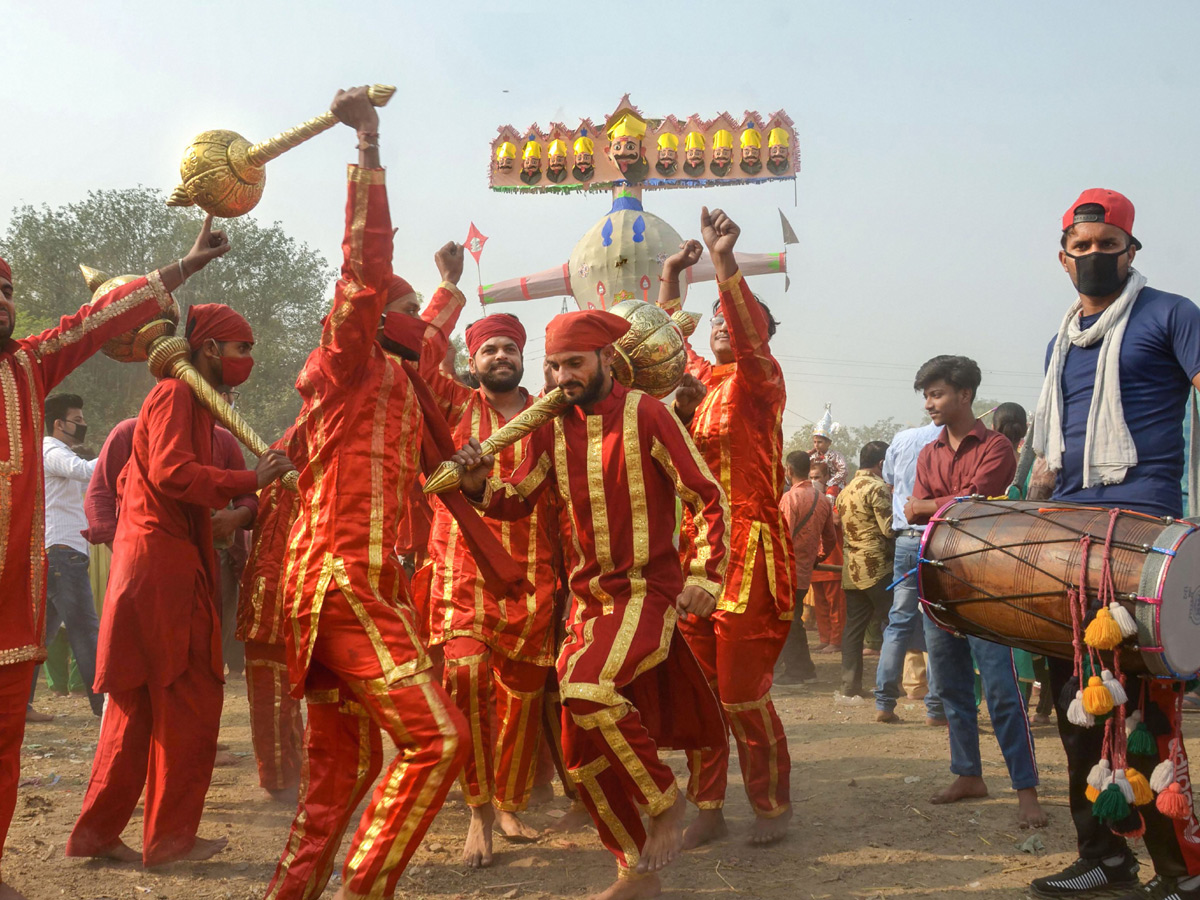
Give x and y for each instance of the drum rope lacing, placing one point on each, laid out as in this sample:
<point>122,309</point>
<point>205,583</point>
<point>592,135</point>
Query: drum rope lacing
<point>1078,534</point>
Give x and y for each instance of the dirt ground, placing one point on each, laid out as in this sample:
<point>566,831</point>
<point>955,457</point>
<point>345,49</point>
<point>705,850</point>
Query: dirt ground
<point>864,827</point>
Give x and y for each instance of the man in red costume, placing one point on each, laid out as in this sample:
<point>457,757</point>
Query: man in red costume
<point>497,648</point>
<point>164,677</point>
<point>351,637</point>
<point>29,368</point>
<point>737,428</point>
<point>619,458</point>
<point>276,723</point>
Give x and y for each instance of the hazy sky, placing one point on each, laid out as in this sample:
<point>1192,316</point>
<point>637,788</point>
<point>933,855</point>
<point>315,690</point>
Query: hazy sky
<point>940,144</point>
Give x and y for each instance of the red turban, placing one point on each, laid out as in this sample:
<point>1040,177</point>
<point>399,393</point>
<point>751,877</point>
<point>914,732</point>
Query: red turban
<point>5,269</point>
<point>398,288</point>
<point>218,322</point>
<point>587,329</point>
<point>496,325</point>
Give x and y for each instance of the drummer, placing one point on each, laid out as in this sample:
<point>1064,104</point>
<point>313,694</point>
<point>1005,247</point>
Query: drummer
<point>1109,423</point>
<point>967,458</point>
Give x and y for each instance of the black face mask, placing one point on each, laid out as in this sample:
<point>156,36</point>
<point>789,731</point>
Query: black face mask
<point>79,434</point>
<point>1096,273</point>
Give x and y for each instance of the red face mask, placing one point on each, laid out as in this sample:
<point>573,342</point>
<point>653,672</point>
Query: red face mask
<point>236,369</point>
<point>405,334</point>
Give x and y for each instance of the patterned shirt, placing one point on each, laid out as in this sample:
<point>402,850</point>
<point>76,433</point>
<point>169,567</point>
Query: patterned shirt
<point>866,510</point>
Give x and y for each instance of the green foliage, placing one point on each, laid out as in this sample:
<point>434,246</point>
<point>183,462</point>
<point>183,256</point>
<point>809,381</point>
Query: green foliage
<point>277,284</point>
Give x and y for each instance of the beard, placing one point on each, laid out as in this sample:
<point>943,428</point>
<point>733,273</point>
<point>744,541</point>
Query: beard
<point>591,390</point>
<point>501,380</point>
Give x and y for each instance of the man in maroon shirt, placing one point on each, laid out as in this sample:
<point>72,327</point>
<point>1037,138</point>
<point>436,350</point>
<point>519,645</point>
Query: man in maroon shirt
<point>967,458</point>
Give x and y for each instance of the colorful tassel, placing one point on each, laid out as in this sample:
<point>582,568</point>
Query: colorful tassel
<point>1132,826</point>
<point>1124,620</point>
<point>1096,698</point>
<point>1111,805</point>
<point>1077,715</point>
<point>1141,742</point>
<point>1102,632</point>
<point>1122,782</point>
<point>1174,803</point>
<point>1142,795</point>
<point>1162,776</point>
<point>1099,776</point>
<point>1115,688</point>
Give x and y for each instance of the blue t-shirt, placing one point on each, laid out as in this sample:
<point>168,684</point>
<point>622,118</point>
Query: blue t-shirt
<point>1159,357</point>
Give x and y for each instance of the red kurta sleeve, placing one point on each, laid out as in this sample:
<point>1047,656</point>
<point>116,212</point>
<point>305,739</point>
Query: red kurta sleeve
<point>515,497</point>
<point>680,461</point>
<point>360,294</point>
<point>173,464</point>
<point>442,315</point>
<point>231,458</point>
<point>748,333</point>
<point>100,502</point>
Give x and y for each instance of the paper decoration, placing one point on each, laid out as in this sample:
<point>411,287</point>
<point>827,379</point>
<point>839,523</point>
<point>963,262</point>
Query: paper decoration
<point>653,154</point>
<point>475,241</point>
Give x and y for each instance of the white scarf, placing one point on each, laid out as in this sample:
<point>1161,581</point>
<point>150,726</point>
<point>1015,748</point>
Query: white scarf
<point>1108,448</point>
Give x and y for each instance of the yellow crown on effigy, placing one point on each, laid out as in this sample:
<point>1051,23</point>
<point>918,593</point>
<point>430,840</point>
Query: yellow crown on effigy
<point>533,150</point>
<point>506,151</point>
<point>558,147</point>
<point>584,145</point>
<point>695,141</point>
<point>628,125</point>
<point>778,138</point>
<point>751,138</point>
<point>668,141</point>
<point>723,140</point>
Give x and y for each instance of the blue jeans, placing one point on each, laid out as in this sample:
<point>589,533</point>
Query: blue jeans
<point>904,632</point>
<point>69,603</point>
<point>950,665</point>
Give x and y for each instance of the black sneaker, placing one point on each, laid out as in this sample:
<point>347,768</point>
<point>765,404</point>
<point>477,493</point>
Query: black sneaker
<point>1086,877</point>
<point>1159,888</point>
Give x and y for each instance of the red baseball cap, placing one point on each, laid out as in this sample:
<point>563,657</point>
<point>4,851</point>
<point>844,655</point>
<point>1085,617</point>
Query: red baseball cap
<point>1117,210</point>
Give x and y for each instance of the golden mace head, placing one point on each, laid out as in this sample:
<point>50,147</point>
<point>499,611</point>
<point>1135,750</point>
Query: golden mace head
<point>224,174</point>
<point>650,355</point>
<point>133,345</point>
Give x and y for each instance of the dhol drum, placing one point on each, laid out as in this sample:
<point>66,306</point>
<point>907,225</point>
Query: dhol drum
<point>1001,570</point>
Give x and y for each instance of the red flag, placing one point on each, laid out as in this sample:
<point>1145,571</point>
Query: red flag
<point>474,242</point>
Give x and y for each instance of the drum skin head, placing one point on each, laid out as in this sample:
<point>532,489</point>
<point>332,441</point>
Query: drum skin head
<point>1179,612</point>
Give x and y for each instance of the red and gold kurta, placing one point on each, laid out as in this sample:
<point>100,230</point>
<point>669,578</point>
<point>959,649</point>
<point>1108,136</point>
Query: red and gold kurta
<point>29,369</point>
<point>737,429</point>
<point>276,722</point>
<point>628,686</point>
<point>351,630</point>
<point>363,444</point>
<point>519,627</point>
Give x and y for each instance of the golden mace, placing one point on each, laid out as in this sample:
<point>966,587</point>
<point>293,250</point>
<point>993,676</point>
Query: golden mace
<point>650,357</point>
<point>168,355</point>
<point>224,174</point>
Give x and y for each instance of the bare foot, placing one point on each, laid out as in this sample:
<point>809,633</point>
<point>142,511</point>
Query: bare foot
<point>224,758</point>
<point>887,717</point>
<point>10,893</point>
<point>118,852</point>
<point>644,886</point>
<point>577,818</point>
<point>541,794</point>
<point>770,830</point>
<point>201,850</point>
<point>287,796</point>
<point>708,826</point>
<point>1029,811</point>
<point>964,787</point>
<point>1040,719</point>
<point>664,838</point>
<point>477,849</point>
<point>32,715</point>
<point>513,829</point>
<point>937,722</point>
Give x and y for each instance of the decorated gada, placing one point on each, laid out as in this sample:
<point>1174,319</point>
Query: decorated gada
<point>588,587</point>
